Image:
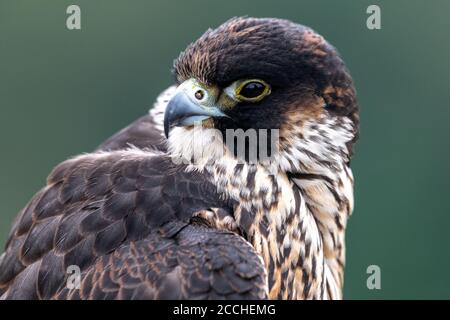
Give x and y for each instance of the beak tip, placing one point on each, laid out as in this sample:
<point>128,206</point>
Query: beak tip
<point>166,126</point>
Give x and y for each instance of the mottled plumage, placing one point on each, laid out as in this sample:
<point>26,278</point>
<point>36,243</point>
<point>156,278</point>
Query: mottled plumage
<point>143,221</point>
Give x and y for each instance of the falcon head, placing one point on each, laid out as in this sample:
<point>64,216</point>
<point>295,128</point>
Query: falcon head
<point>253,73</point>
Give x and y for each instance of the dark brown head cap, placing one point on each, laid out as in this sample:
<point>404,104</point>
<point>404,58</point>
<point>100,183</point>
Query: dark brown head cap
<point>283,53</point>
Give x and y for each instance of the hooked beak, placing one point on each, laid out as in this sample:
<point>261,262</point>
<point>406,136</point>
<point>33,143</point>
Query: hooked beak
<point>182,111</point>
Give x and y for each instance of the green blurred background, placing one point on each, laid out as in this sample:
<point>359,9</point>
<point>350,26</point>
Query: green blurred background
<point>63,92</point>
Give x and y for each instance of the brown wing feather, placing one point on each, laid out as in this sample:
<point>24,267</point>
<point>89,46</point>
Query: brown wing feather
<point>124,218</point>
<point>197,263</point>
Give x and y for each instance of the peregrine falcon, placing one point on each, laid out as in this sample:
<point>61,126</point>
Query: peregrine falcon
<point>166,209</point>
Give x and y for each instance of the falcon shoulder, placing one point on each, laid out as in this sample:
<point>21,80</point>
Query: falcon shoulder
<point>146,132</point>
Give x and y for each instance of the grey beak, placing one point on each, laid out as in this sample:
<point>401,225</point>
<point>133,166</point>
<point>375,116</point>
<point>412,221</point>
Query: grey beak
<point>182,111</point>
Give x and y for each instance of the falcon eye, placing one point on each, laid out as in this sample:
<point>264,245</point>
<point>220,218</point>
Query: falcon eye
<point>252,90</point>
<point>199,94</point>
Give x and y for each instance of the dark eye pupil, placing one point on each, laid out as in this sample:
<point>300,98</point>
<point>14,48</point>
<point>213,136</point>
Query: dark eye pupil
<point>252,90</point>
<point>199,94</point>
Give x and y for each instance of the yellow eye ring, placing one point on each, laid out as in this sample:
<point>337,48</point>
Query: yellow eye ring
<point>252,90</point>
